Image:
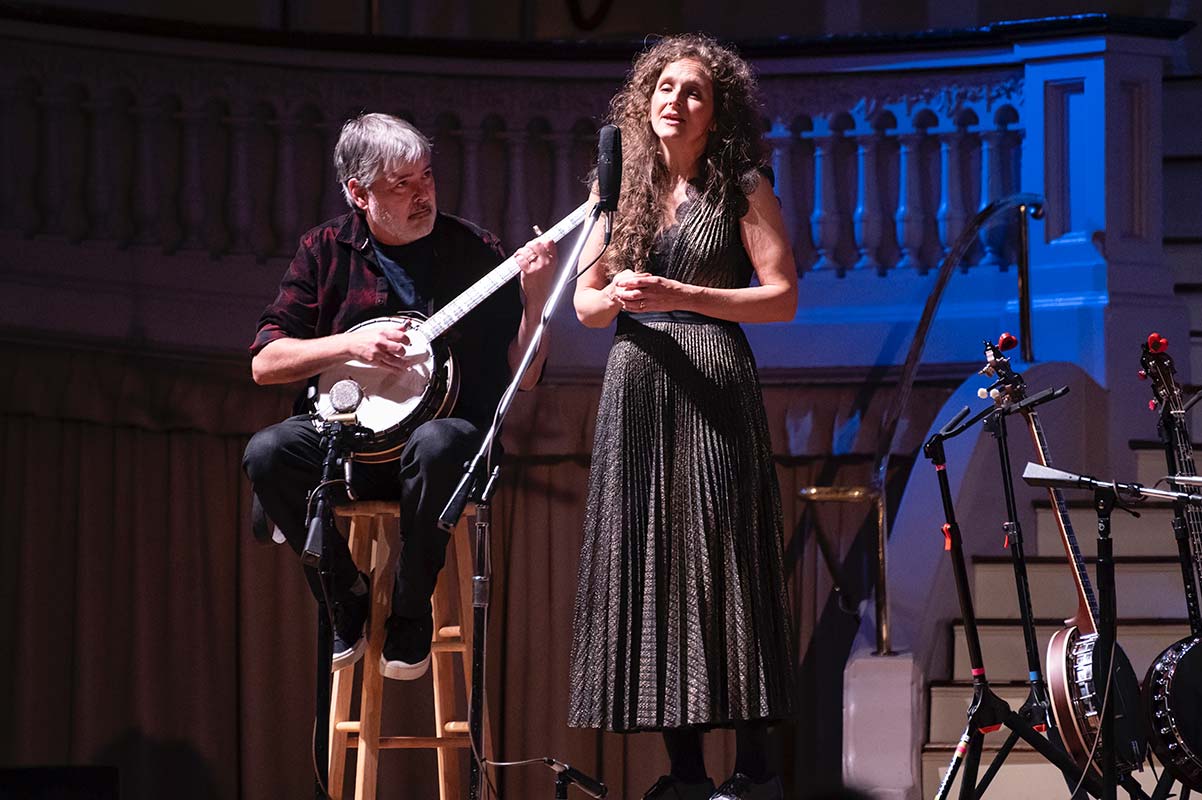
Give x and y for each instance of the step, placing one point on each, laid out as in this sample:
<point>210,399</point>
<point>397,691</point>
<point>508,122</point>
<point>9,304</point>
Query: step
<point>1189,291</point>
<point>949,707</point>
<point>1025,775</point>
<point>1149,588</point>
<point>1182,115</point>
<point>1150,535</point>
<point>1184,259</point>
<point>1183,195</point>
<point>1150,463</point>
<point>1006,660</point>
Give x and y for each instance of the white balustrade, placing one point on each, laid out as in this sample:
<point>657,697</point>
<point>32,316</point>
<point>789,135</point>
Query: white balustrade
<point>879,162</point>
<point>853,194</point>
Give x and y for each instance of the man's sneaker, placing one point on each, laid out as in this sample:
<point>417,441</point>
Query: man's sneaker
<point>406,654</point>
<point>350,618</point>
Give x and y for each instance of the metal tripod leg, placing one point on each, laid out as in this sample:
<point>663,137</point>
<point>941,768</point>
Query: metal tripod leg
<point>998,760</point>
<point>953,766</point>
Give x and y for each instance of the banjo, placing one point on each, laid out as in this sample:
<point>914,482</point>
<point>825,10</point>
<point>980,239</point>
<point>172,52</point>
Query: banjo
<point>395,402</point>
<point>1173,686</point>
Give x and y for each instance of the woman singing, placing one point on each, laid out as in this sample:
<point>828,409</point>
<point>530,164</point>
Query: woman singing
<point>681,620</point>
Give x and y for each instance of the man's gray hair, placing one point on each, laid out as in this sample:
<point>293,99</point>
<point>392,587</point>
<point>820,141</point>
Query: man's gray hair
<point>370,143</point>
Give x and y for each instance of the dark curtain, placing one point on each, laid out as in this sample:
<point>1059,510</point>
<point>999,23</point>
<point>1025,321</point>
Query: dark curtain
<point>143,628</point>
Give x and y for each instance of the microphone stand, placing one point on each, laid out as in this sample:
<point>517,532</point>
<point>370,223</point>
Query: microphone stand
<point>340,436</point>
<point>987,712</point>
<point>1106,498</point>
<point>469,488</point>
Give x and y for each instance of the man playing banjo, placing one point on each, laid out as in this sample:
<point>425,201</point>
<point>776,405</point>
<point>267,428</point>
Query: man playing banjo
<point>392,253</point>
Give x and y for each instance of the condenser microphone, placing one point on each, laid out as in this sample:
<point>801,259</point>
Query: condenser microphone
<point>1186,480</point>
<point>609,173</point>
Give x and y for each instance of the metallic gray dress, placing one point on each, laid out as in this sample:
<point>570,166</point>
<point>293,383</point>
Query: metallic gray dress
<point>681,612</point>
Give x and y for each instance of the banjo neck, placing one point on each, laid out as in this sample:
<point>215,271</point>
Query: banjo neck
<point>481,290</point>
<point>1180,453</point>
<point>1087,604</point>
<point>1183,464</point>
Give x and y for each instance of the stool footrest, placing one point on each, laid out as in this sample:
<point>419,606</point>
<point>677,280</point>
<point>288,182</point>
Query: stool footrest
<point>416,742</point>
<point>450,632</point>
<point>454,728</point>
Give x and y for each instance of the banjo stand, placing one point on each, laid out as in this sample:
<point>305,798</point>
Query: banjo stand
<point>987,712</point>
<point>1037,709</point>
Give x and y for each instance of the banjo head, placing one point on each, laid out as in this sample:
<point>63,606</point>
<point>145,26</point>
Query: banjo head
<point>1173,707</point>
<point>394,402</point>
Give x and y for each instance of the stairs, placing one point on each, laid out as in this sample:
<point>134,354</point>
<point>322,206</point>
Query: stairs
<point>1151,610</point>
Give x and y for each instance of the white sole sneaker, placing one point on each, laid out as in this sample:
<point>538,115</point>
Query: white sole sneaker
<point>400,671</point>
<point>347,658</point>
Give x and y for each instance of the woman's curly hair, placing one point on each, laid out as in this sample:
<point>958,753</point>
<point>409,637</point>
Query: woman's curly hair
<point>733,152</point>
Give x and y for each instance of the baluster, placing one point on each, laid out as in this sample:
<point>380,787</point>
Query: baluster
<point>53,188</point>
<point>25,131</point>
<point>566,188</point>
<point>781,139</point>
<point>192,204</point>
<point>516,208</point>
<point>241,208</point>
<point>286,209</point>
<point>990,191</point>
<point>825,220</point>
<point>868,221</point>
<point>909,214</point>
<point>8,194</point>
<point>100,183</point>
<point>469,204</point>
<point>147,165</point>
<point>951,215</point>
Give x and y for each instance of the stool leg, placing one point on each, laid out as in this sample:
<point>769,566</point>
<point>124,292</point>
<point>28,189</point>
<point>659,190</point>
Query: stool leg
<point>359,541</point>
<point>443,675</point>
<point>372,695</point>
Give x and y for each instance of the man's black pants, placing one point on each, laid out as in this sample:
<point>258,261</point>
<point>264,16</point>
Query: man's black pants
<point>284,461</point>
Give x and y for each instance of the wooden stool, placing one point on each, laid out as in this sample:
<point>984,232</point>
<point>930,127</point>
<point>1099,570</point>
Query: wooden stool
<point>374,545</point>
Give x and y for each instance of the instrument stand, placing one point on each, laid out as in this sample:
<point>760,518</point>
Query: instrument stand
<point>340,436</point>
<point>469,489</point>
<point>988,712</point>
<point>1037,709</point>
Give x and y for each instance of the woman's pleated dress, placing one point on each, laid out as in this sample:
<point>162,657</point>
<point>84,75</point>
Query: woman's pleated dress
<point>681,613</point>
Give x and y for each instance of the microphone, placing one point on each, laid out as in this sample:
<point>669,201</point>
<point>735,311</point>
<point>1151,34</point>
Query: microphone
<point>1186,480</point>
<point>609,173</point>
<point>346,395</point>
<point>590,786</point>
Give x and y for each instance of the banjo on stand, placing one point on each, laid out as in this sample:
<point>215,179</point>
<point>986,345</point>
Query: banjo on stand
<point>395,402</point>
<point>1077,697</point>
<point>1173,685</point>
